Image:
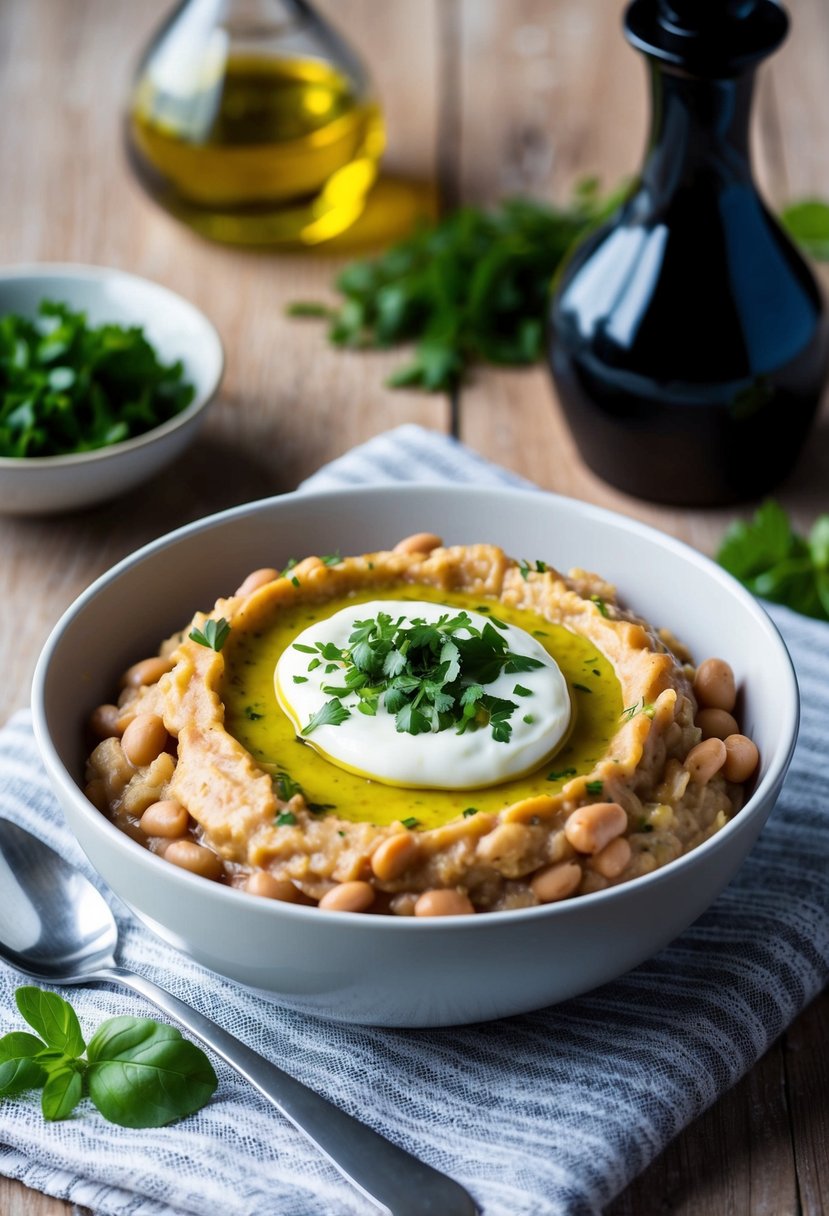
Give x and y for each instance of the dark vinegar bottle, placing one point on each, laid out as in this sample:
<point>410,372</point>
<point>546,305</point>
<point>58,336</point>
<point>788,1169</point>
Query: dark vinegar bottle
<point>688,339</point>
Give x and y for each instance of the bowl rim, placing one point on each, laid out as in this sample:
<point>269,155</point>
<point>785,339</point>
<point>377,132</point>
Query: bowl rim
<point>766,790</point>
<point>32,271</point>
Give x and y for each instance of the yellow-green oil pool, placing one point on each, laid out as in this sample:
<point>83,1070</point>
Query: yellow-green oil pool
<point>253,716</point>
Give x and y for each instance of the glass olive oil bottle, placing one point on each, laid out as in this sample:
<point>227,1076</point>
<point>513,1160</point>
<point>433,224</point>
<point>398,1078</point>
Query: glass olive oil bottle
<point>254,124</point>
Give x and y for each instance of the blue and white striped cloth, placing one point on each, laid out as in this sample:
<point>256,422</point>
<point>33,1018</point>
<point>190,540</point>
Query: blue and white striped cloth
<point>550,1114</point>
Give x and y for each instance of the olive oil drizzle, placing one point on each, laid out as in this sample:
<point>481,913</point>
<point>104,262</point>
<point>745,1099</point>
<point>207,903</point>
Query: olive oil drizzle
<point>253,716</point>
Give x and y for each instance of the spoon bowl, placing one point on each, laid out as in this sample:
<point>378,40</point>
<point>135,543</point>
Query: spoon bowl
<point>55,926</point>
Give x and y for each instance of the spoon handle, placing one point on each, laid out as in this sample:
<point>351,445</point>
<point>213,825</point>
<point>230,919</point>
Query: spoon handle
<point>397,1182</point>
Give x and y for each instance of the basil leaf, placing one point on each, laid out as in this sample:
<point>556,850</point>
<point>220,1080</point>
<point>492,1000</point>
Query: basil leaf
<point>19,1045</point>
<point>52,1017</point>
<point>61,1094</point>
<point>18,1069</point>
<point>144,1074</point>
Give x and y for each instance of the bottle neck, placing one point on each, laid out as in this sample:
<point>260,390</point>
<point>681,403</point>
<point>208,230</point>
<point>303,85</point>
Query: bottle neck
<point>699,130</point>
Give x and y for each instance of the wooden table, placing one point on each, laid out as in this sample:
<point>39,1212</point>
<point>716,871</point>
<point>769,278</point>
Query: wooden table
<point>483,98</point>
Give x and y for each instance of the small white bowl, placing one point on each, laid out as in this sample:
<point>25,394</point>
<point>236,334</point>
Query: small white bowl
<point>39,485</point>
<point>403,971</point>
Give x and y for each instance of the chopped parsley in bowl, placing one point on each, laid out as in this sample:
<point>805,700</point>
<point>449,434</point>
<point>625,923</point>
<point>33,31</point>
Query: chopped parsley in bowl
<point>70,386</point>
<point>104,380</point>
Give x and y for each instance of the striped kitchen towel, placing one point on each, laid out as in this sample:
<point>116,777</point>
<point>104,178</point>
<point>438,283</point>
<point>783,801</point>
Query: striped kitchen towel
<point>548,1114</point>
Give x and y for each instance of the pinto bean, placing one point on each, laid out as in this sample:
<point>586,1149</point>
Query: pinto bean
<point>613,858</point>
<point>268,887</point>
<point>443,901</point>
<point>716,723</point>
<point>741,758</point>
<point>194,857</point>
<point>355,896</point>
<point>419,542</point>
<point>394,855</point>
<point>144,739</point>
<point>148,671</point>
<point>706,759</point>
<point>167,818</point>
<point>556,882</point>
<point>256,579</point>
<point>714,685</point>
<point>590,828</point>
<point>104,722</point>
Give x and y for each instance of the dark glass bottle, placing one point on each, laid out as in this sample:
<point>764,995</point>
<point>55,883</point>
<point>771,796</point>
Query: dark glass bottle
<point>688,339</point>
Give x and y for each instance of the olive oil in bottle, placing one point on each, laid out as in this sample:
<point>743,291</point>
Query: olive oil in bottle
<point>256,144</point>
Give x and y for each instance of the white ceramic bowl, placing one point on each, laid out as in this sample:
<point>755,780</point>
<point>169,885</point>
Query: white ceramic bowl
<point>382,969</point>
<point>42,484</point>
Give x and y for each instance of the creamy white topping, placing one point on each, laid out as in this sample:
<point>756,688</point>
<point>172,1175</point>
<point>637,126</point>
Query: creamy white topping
<point>373,747</point>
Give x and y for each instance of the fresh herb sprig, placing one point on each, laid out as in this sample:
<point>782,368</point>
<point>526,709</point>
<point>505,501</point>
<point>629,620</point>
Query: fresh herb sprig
<point>776,563</point>
<point>472,287</point>
<point>137,1072</point>
<point>426,674</point>
<point>67,386</point>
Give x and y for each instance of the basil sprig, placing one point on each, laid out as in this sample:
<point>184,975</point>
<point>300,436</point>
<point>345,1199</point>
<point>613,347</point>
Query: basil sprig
<point>137,1072</point>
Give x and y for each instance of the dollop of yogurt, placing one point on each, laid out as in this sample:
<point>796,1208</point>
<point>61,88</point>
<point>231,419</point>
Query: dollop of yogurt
<point>373,747</point>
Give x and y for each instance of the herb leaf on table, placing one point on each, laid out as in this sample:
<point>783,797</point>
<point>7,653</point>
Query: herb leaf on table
<point>807,222</point>
<point>776,563</point>
<point>471,287</point>
<point>138,1073</point>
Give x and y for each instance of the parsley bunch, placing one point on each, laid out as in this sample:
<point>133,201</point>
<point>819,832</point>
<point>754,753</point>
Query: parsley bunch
<point>473,286</point>
<point>774,562</point>
<point>66,386</point>
<point>138,1073</point>
<point>427,675</point>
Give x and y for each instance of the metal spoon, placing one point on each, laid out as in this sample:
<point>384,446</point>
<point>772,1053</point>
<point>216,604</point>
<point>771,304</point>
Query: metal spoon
<point>55,926</point>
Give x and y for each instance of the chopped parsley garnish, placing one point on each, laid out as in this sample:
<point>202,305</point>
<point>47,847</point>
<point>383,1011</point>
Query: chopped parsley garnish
<point>214,635</point>
<point>285,819</point>
<point>331,559</point>
<point>525,568</point>
<point>521,691</point>
<point>286,787</point>
<point>594,787</point>
<point>427,675</point>
<point>252,715</point>
<point>295,581</point>
<point>411,822</point>
<point>300,679</point>
<point>559,776</point>
<point>529,719</point>
<point>600,604</point>
<point>292,561</point>
<point>470,810</point>
<point>332,713</point>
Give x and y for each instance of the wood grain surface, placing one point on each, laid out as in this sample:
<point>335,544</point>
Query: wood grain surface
<point>483,98</point>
